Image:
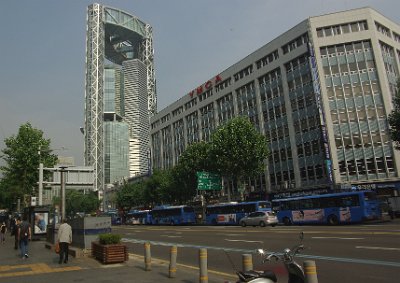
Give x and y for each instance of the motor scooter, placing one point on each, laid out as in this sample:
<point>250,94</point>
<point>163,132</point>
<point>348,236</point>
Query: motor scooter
<point>295,271</point>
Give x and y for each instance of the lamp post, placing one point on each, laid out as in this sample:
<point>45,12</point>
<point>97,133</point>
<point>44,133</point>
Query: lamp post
<point>62,180</point>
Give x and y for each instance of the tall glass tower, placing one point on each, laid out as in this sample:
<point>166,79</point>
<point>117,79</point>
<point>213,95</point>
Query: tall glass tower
<point>119,71</point>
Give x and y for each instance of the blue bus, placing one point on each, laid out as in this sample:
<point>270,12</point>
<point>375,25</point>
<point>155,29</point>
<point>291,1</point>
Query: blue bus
<point>115,217</point>
<point>231,213</point>
<point>173,215</point>
<point>332,209</point>
<point>138,217</point>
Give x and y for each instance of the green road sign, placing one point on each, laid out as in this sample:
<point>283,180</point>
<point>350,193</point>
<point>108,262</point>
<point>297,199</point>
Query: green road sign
<point>208,181</point>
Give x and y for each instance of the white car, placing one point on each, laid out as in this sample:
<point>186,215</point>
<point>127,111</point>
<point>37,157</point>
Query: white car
<point>259,218</point>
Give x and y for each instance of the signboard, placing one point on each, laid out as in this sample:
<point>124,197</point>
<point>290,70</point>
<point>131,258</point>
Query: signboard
<point>208,181</point>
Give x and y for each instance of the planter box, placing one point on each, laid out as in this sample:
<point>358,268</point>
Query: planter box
<point>110,253</point>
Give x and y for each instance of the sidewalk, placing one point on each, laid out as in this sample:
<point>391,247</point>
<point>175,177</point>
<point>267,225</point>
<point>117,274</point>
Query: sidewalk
<point>42,266</point>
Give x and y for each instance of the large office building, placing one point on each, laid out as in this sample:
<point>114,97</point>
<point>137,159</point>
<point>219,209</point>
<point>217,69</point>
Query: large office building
<point>120,94</point>
<point>320,92</point>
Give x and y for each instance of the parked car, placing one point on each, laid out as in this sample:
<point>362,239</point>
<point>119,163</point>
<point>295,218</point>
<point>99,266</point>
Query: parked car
<point>259,218</point>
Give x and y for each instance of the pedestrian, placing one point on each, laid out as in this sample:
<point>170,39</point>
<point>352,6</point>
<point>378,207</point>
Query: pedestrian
<point>64,239</point>
<point>24,236</point>
<point>3,230</point>
<point>15,232</point>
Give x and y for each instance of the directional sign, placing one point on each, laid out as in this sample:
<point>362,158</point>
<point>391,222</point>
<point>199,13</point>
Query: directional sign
<point>208,181</point>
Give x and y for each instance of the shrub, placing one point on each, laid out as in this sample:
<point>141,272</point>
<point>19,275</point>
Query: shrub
<point>108,239</point>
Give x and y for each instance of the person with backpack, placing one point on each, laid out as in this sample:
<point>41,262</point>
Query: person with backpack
<point>3,230</point>
<point>24,236</point>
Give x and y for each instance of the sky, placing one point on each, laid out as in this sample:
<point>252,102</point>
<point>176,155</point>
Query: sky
<point>43,45</point>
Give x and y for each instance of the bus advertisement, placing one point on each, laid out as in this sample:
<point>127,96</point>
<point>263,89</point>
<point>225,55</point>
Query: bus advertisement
<point>173,215</point>
<point>332,209</point>
<point>138,217</point>
<point>231,213</point>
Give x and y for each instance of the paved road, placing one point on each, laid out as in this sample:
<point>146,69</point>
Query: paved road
<point>358,252</point>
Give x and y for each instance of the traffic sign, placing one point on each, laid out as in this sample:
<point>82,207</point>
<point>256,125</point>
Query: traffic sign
<point>208,181</point>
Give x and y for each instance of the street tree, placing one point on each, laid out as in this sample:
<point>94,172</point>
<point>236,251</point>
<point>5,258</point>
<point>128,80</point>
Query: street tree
<point>130,196</point>
<point>239,150</point>
<point>22,155</point>
<point>394,118</point>
<point>194,159</point>
<point>77,201</point>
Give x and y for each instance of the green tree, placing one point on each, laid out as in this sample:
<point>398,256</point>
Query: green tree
<point>239,150</point>
<point>195,158</point>
<point>130,196</point>
<point>394,118</point>
<point>77,201</point>
<point>22,156</point>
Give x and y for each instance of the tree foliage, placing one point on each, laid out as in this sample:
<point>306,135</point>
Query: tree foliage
<point>22,156</point>
<point>394,118</point>
<point>77,201</point>
<point>238,149</point>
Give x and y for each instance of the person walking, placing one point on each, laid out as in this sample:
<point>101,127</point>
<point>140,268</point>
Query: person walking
<point>64,238</point>
<point>3,230</point>
<point>15,232</point>
<point>24,235</point>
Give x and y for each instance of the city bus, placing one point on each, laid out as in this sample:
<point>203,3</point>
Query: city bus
<point>332,209</point>
<point>173,215</point>
<point>138,217</point>
<point>231,213</point>
<point>115,217</point>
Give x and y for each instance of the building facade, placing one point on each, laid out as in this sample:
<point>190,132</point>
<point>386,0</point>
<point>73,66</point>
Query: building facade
<point>120,93</point>
<point>320,92</point>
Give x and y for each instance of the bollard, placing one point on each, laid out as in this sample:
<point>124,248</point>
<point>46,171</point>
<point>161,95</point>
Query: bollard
<point>147,257</point>
<point>203,266</point>
<point>247,262</point>
<point>172,263</point>
<point>310,271</point>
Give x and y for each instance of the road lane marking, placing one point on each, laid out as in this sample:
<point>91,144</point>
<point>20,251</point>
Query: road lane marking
<point>171,236</point>
<point>338,259</point>
<point>31,269</point>
<point>244,241</point>
<point>338,238</point>
<point>377,248</point>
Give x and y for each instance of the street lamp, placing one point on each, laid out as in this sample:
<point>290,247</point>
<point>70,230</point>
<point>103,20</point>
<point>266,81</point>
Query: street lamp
<point>62,180</point>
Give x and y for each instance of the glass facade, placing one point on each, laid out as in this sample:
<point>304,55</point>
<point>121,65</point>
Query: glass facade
<point>357,111</point>
<point>116,151</point>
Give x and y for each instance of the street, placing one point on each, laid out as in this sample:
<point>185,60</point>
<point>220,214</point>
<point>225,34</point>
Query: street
<point>353,253</point>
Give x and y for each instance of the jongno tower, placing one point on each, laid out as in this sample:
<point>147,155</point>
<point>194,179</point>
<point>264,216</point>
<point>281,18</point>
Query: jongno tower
<point>120,94</point>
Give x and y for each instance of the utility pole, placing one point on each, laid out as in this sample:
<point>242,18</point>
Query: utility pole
<point>62,179</point>
<point>41,184</point>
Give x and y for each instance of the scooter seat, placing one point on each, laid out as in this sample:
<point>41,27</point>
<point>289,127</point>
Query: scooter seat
<point>247,276</point>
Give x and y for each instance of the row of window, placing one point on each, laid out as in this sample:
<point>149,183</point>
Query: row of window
<point>356,90</point>
<point>267,59</point>
<point>243,73</point>
<point>377,165</point>
<point>280,155</point>
<point>348,48</point>
<point>382,29</point>
<point>312,172</point>
<point>307,124</point>
<point>296,43</point>
<point>310,148</point>
<point>342,28</point>
<point>358,141</point>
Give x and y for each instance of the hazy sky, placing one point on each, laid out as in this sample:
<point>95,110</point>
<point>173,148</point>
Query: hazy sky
<point>42,51</point>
